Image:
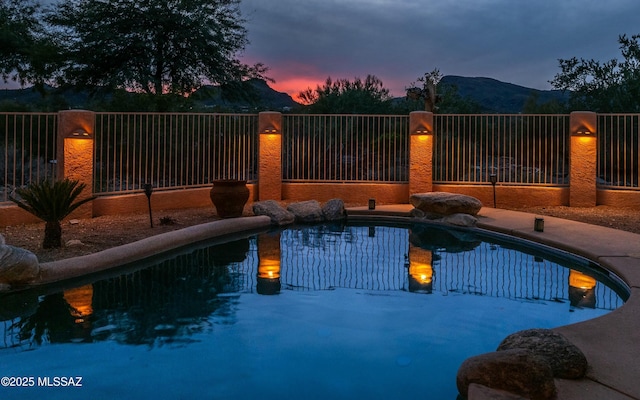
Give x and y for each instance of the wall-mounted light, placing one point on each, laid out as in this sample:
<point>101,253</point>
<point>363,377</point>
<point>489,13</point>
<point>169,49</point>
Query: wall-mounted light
<point>80,134</point>
<point>421,131</point>
<point>270,131</point>
<point>583,131</point>
<point>372,204</point>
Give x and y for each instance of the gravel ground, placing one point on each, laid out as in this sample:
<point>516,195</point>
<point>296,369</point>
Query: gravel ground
<point>100,233</point>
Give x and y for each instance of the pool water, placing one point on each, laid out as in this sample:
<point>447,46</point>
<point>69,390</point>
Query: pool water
<point>309,312</point>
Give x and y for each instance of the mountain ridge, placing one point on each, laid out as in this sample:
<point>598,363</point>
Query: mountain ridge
<point>492,95</point>
<point>495,96</point>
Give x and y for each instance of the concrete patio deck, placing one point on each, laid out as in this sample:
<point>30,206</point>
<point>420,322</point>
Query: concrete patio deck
<point>611,343</point>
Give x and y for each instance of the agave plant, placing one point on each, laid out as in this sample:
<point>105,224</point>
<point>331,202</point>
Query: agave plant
<point>51,202</point>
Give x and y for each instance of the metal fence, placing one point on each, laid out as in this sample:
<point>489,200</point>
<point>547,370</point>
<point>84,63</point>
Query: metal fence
<point>345,148</point>
<point>27,149</point>
<point>172,150</point>
<point>519,149</point>
<point>192,150</point>
<point>618,151</point>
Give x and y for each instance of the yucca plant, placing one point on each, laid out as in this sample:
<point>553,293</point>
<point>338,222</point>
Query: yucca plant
<point>51,202</point>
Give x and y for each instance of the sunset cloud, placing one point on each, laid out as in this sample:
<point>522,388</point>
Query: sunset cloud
<point>304,42</point>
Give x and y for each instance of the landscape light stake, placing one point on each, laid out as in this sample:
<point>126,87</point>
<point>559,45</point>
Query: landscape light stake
<point>148,189</point>
<point>493,178</point>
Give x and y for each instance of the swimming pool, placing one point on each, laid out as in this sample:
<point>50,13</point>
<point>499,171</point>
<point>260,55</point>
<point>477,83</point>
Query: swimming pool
<point>327,311</point>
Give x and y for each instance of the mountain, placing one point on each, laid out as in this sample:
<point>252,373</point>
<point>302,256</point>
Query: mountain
<point>256,95</point>
<point>250,96</point>
<point>499,97</point>
<point>493,96</point>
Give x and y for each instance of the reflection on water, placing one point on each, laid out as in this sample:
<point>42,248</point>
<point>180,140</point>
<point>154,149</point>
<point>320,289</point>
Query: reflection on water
<point>269,264</point>
<point>170,302</point>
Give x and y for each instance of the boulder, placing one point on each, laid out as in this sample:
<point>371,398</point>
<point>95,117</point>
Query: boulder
<point>516,371</point>
<point>566,360</point>
<point>17,266</point>
<point>277,213</point>
<point>307,212</point>
<point>459,219</point>
<point>333,210</point>
<point>445,203</point>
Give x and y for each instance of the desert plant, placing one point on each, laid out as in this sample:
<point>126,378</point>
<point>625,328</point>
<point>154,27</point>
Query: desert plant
<point>51,202</point>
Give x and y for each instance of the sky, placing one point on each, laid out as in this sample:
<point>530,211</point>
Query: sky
<point>517,41</point>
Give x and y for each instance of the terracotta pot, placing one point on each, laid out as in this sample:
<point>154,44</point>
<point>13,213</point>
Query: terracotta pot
<point>229,197</point>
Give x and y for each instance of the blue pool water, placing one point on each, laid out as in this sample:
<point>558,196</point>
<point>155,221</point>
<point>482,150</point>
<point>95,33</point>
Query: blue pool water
<point>317,312</point>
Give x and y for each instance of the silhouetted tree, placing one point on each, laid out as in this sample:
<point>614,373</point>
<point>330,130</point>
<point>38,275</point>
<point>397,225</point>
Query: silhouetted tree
<point>613,86</point>
<point>344,96</point>
<point>26,53</point>
<point>155,47</point>
<point>428,90</point>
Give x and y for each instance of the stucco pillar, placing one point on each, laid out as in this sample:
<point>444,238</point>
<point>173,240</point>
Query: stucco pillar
<point>270,156</point>
<point>420,152</point>
<point>582,161</point>
<point>75,153</point>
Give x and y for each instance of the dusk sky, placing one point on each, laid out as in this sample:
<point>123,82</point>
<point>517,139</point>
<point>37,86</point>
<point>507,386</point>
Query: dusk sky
<point>516,41</point>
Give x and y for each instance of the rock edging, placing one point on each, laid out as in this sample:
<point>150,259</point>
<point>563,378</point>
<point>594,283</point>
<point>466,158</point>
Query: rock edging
<point>17,266</point>
<point>525,364</point>
<point>304,212</point>
<point>449,208</point>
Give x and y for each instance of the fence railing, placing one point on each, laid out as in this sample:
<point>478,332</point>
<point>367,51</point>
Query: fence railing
<point>618,151</point>
<point>345,148</point>
<point>519,149</point>
<point>27,149</point>
<point>192,150</point>
<point>172,150</point>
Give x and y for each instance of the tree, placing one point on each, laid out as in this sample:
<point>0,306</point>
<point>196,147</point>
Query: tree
<point>25,50</point>
<point>51,202</point>
<point>613,86</point>
<point>428,91</point>
<point>431,91</point>
<point>344,96</point>
<point>155,47</point>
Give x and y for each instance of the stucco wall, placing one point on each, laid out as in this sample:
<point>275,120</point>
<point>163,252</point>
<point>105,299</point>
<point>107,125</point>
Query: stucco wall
<point>348,192</point>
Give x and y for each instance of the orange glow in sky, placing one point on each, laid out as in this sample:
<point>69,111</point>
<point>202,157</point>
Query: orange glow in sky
<point>294,85</point>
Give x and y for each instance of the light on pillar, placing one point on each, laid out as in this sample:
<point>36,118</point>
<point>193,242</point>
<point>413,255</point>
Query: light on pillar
<point>583,159</point>
<point>270,130</point>
<point>421,134</point>
<point>421,131</point>
<point>74,153</point>
<point>270,156</point>
<point>80,133</point>
<point>582,131</point>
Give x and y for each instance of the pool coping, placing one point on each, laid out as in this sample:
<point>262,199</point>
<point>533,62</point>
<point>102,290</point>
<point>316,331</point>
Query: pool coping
<point>72,268</point>
<point>610,342</point>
